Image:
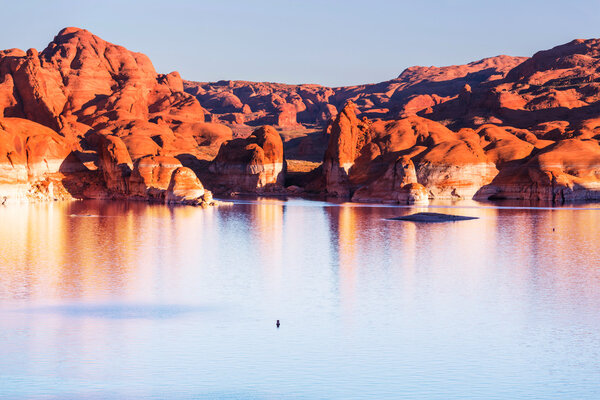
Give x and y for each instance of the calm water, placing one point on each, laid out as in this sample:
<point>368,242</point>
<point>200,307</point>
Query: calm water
<point>117,301</point>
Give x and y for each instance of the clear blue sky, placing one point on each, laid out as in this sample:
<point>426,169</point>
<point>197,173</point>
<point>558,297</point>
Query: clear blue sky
<point>307,41</point>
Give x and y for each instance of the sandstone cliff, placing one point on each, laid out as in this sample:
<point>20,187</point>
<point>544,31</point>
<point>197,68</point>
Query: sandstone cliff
<point>85,118</point>
<point>87,106</point>
<point>254,164</point>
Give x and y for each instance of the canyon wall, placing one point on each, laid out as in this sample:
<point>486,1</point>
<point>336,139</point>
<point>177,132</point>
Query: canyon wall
<point>85,118</point>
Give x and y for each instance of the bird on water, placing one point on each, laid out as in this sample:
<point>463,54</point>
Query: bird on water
<point>277,323</point>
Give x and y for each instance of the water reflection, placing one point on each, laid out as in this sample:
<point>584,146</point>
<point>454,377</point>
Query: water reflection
<point>115,311</point>
<point>154,301</point>
<point>267,225</point>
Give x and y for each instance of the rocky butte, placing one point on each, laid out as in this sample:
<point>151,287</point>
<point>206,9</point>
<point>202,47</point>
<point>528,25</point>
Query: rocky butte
<point>87,119</point>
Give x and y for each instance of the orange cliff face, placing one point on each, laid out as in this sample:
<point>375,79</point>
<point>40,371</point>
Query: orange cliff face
<point>85,118</point>
<point>415,159</point>
<point>98,106</point>
<point>33,159</point>
<point>254,164</point>
<point>468,131</point>
<point>405,161</point>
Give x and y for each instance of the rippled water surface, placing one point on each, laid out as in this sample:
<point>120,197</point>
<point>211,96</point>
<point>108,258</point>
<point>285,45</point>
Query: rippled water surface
<point>106,300</point>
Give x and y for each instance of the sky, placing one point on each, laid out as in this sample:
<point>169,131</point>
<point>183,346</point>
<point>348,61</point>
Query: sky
<point>329,42</point>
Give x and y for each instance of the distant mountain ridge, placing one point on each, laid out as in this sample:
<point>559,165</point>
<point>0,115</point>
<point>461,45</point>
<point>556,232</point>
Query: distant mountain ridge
<point>414,90</point>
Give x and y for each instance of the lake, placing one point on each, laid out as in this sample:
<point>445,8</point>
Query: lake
<point>109,300</point>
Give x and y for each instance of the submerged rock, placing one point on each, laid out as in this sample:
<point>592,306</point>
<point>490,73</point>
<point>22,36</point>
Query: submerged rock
<point>432,217</point>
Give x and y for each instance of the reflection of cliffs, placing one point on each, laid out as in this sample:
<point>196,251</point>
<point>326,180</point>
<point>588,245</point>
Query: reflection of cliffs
<point>344,231</point>
<point>268,240</point>
<point>348,242</point>
<point>88,250</point>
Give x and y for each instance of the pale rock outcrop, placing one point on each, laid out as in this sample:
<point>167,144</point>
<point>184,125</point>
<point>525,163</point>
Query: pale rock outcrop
<point>254,164</point>
<point>566,171</point>
<point>185,186</point>
<point>32,157</point>
<point>164,179</point>
<point>455,170</point>
<point>397,185</point>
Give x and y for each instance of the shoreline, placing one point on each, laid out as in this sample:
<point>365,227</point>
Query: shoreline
<point>336,202</point>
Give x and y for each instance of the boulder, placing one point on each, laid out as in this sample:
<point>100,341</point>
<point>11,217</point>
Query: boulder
<point>151,176</point>
<point>254,164</point>
<point>163,179</point>
<point>185,187</point>
<point>398,184</point>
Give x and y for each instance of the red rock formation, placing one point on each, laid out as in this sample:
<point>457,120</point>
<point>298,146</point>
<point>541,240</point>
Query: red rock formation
<point>362,159</point>
<point>416,89</point>
<point>164,179</point>
<point>565,171</point>
<point>100,97</point>
<point>152,177</point>
<point>345,142</point>
<point>29,148</point>
<point>562,83</point>
<point>286,106</point>
<point>254,164</point>
<point>398,184</point>
<point>207,136</point>
<point>115,164</point>
<point>544,103</point>
<point>88,118</point>
<point>286,115</point>
<point>31,156</point>
<point>501,146</point>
